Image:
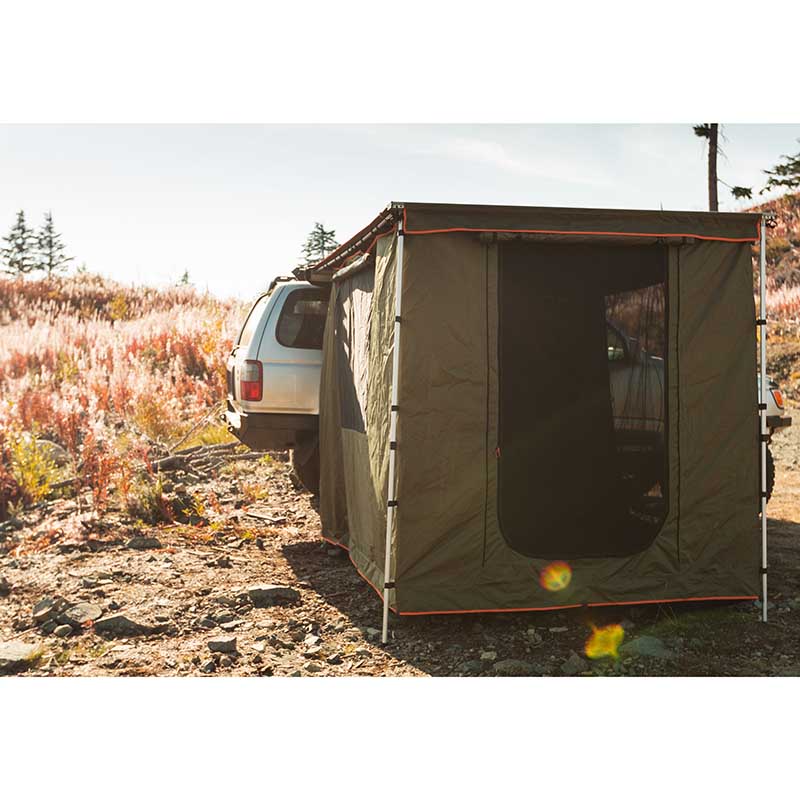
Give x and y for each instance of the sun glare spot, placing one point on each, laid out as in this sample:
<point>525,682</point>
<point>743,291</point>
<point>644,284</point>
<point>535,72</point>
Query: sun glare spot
<point>605,641</point>
<point>556,576</point>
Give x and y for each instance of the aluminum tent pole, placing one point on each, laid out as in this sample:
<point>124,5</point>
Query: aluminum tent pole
<point>762,409</point>
<point>391,500</point>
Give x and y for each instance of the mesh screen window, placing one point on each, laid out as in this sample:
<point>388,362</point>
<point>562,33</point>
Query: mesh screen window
<point>582,389</point>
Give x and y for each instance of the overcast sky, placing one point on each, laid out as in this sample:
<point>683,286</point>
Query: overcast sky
<point>232,204</point>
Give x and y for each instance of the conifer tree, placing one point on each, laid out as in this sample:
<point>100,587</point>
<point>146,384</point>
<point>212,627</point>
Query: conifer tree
<point>19,256</point>
<point>784,175</point>
<point>50,253</point>
<point>319,244</point>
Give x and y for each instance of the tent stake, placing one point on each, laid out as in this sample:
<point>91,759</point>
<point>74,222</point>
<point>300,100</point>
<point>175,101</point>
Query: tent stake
<point>762,279</point>
<point>391,503</point>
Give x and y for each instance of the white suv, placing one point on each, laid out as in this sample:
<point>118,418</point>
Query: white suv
<point>274,373</point>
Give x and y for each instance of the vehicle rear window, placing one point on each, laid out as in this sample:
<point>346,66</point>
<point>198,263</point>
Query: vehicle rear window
<point>253,318</point>
<point>302,320</point>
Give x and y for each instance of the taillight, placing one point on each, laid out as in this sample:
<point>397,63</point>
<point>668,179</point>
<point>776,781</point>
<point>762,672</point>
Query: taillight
<point>778,397</point>
<point>250,380</point>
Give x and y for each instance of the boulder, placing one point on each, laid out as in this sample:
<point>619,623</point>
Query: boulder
<point>574,665</point>
<point>222,644</point>
<point>265,595</point>
<point>143,543</point>
<point>120,625</point>
<point>80,614</point>
<point>48,608</point>
<point>648,646</point>
<point>17,656</point>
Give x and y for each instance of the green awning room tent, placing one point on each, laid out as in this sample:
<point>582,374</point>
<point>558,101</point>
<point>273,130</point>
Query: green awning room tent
<point>571,385</point>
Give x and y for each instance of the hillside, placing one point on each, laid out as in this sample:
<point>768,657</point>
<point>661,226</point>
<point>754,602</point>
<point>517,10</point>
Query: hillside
<point>97,378</point>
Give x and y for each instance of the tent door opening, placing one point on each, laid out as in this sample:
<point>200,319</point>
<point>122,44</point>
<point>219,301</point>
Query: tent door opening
<point>582,412</point>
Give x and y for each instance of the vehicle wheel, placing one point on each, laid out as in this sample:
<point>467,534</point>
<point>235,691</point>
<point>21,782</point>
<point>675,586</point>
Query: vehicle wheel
<point>304,461</point>
<point>770,474</point>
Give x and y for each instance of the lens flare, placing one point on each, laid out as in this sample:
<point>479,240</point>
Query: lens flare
<point>556,576</point>
<point>605,641</point>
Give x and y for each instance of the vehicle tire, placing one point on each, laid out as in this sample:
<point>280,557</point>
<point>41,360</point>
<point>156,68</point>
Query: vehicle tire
<point>304,461</point>
<point>770,474</point>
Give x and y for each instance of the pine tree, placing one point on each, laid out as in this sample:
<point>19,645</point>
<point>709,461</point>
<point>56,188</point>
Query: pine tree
<point>19,256</point>
<point>784,175</point>
<point>319,244</point>
<point>51,256</point>
<point>184,279</point>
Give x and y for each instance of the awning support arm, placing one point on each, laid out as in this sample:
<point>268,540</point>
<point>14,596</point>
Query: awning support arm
<point>391,501</point>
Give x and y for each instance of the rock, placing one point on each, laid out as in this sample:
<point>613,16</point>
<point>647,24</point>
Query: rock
<point>334,659</point>
<point>533,636</point>
<point>311,640</point>
<point>54,452</point>
<point>648,646</point>
<point>223,562</point>
<point>265,595</point>
<point>259,647</point>
<point>88,583</point>
<point>207,622</point>
<point>120,625</point>
<point>17,656</point>
<point>79,615</point>
<point>312,652</point>
<point>488,655</point>
<point>222,644</point>
<point>473,667</point>
<point>372,633</point>
<point>225,616</point>
<point>143,543</point>
<point>511,667</point>
<point>561,629</point>
<point>225,661</point>
<point>362,651</point>
<point>209,666</point>
<point>62,630</point>
<point>5,588</point>
<point>312,666</point>
<point>49,627</point>
<point>574,665</point>
<point>48,608</point>
<point>232,625</point>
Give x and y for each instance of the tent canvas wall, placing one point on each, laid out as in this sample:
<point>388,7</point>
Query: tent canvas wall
<point>572,384</point>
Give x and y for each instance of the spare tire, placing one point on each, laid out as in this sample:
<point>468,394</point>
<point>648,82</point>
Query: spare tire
<point>304,461</point>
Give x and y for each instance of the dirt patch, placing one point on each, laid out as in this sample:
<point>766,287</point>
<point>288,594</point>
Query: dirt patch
<point>183,586</point>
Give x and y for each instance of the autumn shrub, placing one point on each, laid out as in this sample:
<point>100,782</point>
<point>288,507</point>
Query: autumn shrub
<point>109,372</point>
<point>30,466</point>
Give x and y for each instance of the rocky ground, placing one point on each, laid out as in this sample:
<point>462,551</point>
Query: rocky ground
<point>253,591</point>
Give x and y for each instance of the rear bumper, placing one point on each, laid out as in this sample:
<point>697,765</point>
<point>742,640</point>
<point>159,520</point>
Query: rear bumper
<point>776,423</point>
<point>269,431</point>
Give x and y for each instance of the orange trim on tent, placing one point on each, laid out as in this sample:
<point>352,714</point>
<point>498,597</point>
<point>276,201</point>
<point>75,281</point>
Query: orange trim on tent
<point>536,608</point>
<point>574,233</point>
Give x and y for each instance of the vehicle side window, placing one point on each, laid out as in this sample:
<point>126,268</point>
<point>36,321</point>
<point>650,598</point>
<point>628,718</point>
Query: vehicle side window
<point>616,344</point>
<point>253,318</point>
<point>302,320</point>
